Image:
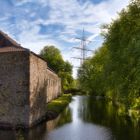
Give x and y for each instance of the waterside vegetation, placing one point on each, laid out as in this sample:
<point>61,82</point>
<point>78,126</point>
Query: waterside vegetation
<point>114,70</point>
<point>56,62</point>
<point>55,107</point>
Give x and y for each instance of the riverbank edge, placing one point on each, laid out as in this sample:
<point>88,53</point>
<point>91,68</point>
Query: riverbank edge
<point>123,110</point>
<point>55,107</point>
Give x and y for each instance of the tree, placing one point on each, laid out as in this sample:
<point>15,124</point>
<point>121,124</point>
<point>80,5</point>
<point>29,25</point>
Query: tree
<point>53,57</point>
<point>55,61</point>
<point>114,70</point>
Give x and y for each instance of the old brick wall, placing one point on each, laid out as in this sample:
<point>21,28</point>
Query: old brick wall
<point>26,86</point>
<point>38,88</point>
<point>44,86</point>
<point>14,88</point>
<point>53,86</point>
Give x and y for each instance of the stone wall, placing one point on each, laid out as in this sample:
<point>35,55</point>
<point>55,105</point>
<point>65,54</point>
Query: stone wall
<point>26,86</point>
<point>44,86</point>
<point>14,88</point>
<point>53,85</point>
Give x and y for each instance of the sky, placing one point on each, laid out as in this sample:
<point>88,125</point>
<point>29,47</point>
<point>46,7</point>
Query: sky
<point>37,23</point>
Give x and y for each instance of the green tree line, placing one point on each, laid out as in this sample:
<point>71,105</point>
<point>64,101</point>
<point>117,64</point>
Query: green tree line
<point>114,69</point>
<point>56,62</point>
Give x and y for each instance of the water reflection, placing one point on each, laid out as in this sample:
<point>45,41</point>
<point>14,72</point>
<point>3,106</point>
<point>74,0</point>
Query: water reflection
<point>84,119</point>
<point>105,114</point>
<point>78,129</point>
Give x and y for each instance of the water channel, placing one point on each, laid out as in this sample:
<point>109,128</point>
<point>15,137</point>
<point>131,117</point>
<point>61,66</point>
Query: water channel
<point>84,119</point>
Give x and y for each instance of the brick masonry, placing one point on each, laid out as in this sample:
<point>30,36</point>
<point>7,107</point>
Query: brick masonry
<point>14,88</point>
<point>26,86</point>
<point>45,85</point>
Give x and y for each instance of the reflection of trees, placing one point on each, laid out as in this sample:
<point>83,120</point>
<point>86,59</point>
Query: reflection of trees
<point>65,117</point>
<point>19,136</point>
<point>102,112</point>
<point>36,133</point>
<point>99,112</point>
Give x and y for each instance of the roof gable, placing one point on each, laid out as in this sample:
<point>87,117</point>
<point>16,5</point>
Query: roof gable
<point>5,40</point>
<point>7,44</point>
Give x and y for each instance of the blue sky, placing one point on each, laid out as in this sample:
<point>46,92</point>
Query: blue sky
<point>36,23</point>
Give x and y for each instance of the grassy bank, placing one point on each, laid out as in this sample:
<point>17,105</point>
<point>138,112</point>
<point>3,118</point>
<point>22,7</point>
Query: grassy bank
<point>55,107</point>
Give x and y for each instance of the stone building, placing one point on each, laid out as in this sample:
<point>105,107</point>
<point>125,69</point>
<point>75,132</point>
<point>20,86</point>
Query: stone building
<point>26,85</point>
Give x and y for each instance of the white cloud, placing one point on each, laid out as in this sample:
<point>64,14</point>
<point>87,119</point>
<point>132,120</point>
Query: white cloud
<point>69,13</point>
<point>34,41</point>
<point>74,17</point>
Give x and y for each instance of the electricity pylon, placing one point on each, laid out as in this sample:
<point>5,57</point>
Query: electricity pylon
<point>82,47</point>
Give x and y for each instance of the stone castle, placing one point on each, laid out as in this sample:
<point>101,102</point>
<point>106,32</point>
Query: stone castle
<point>26,85</point>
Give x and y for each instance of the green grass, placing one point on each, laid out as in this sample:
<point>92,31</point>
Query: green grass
<point>59,104</point>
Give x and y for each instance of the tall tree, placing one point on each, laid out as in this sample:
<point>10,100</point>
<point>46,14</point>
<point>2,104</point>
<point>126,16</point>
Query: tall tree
<point>114,70</point>
<point>53,57</point>
<point>55,61</point>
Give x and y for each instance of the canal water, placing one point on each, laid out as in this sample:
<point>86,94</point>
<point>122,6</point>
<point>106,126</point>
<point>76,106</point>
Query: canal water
<point>86,118</point>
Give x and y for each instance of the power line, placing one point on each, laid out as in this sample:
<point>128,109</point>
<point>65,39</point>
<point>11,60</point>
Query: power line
<point>83,45</point>
<point>82,49</point>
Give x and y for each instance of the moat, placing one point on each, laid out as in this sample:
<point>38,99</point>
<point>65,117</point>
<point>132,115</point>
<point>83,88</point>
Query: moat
<point>84,119</point>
